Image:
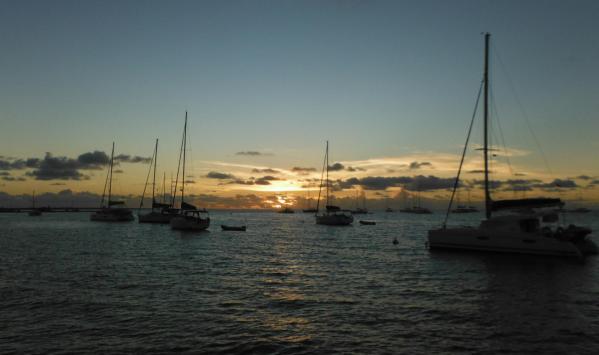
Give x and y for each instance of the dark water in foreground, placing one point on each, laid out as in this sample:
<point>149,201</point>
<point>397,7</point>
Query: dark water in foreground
<point>285,286</point>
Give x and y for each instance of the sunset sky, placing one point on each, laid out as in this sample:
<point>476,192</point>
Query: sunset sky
<point>391,85</point>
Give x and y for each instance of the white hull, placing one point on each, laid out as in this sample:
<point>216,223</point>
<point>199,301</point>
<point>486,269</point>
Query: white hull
<point>110,216</point>
<point>189,223</point>
<point>155,217</point>
<point>334,219</point>
<point>514,242</point>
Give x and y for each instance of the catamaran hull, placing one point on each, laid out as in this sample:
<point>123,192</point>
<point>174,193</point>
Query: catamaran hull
<point>109,217</point>
<point>189,224</point>
<point>334,220</point>
<point>483,240</point>
<point>155,217</point>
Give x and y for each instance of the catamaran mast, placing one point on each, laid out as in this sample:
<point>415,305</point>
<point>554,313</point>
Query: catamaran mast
<point>184,149</point>
<point>327,181</point>
<point>486,120</point>
<point>110,180</point>
<point>154,180</point>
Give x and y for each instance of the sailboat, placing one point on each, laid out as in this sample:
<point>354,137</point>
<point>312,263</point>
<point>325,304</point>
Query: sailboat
<point>107,213</point>
<point>189,217</point>
<point>309,208</point>
<point>34,211</point>
<point>416,209</point>
<point>332,215</point>
<point>465,208</point>
<point>536,232</point>
<point>360,210</point>
<point>161,212</point>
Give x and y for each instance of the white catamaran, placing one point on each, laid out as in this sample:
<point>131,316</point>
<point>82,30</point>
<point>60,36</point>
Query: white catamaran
<point>189,217</point>
<point>332,215</point>
<point>108,213</point>
<point>532,231</point>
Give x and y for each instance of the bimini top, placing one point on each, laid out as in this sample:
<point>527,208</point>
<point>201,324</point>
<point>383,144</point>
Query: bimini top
<point>526,203</point>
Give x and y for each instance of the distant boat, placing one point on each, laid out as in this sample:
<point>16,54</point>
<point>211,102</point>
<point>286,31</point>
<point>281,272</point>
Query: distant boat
<point>332,215</point>
<point>107,213</point>
<point>34,211</point>
<point>189,217</point>
<point>161,212</point>
<point>309,208</point>
<point>465,209</point>
<point>233,228</point>
<point>533,233</point>
<point>367,223</point>
<point>363,209</point>
<point>416,210</point>
<point>286,210</point>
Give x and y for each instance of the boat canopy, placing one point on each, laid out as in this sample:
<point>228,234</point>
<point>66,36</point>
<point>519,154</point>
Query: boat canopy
<point>160,205</point>
<point>526,203</point>
<point>187,206</point>
<point>114,203</point>
<point>333,208</point>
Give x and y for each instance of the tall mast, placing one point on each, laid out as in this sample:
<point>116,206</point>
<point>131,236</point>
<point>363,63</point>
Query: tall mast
<point>486,120</point>
<point>110,180</point>
<point>154,180</point>
<point>327,181</point>
<point>174,189</point>
<point>163,187</point>
<point>184,149</point>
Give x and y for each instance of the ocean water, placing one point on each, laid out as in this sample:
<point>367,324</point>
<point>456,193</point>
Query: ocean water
<point>286,286</point>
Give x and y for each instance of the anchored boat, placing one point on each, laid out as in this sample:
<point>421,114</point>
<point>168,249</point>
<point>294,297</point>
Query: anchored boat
<point>108,212</point>
<point>332,215</point>
<point>532,231</point>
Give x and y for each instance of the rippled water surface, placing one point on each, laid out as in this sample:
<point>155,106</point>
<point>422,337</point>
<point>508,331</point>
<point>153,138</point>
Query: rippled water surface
<point>284,286</point>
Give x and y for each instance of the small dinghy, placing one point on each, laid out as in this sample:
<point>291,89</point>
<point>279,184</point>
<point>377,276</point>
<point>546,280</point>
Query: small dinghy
<point>233,228</point>
<point>367,223</point>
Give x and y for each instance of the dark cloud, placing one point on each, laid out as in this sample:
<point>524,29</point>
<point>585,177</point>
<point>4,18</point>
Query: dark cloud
<point>118,171</point>
<point>417,165</point>
<point>190,182</point>
<point>93,160</point>
<point>126,158</point>
<point>58,184</point>
<point>412,183</point>
<point>302,171</point>
<point>559,183</point>
<point>57,168</point>
<point>265,180</point>
<point>252,153</point>
<point>583,177</point>
<point>336,167</point>
<point>18,164</point>
<point>220,176</point>
<point>476,171</point>
<point>352,169</point>
<point>428,183</point>
<point>63,168</point>
<point>527,184</point>
<point>266,171</point>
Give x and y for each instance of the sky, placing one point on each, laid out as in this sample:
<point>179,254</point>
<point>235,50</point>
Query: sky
<point>390,84</point>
